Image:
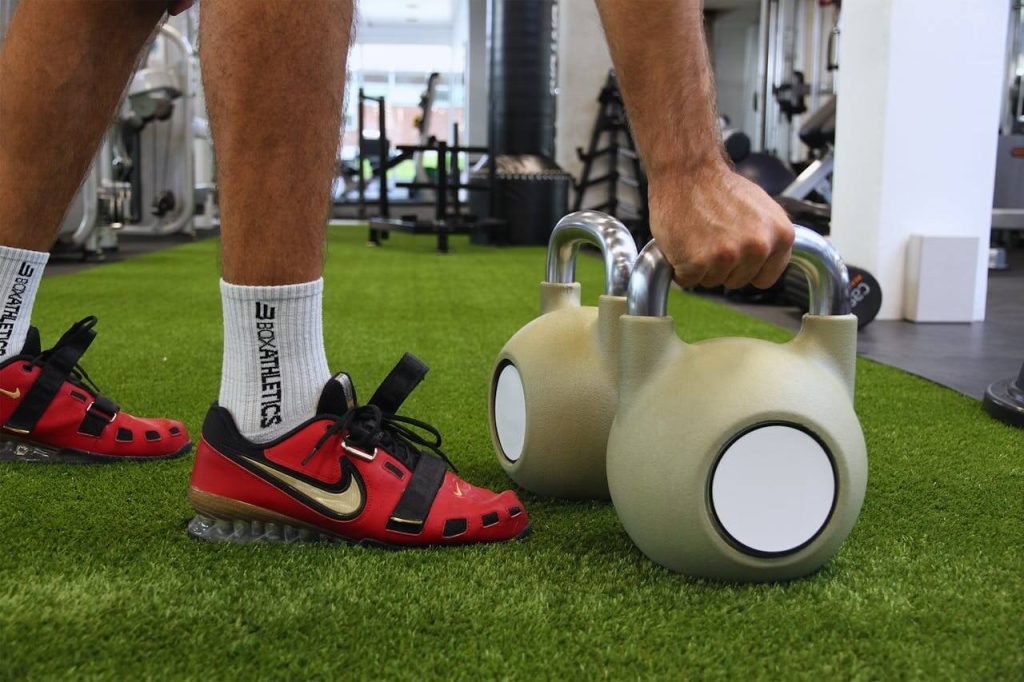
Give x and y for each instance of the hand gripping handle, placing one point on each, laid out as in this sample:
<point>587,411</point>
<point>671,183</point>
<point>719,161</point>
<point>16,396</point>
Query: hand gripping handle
<point>827,279</point>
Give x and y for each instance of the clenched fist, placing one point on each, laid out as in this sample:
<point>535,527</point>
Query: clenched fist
<point>718,228</point>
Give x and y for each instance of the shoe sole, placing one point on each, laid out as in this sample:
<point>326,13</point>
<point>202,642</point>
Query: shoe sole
<point>221,519</point>
<point>14,449</point>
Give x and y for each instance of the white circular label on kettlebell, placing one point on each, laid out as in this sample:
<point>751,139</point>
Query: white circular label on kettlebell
<point>773,489</point>
<point>510,412</point>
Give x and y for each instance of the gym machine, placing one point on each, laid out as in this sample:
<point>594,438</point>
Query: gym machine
<point>1008,197</point>
<point>819,134</point>
<point>376,154</point>
<point>784,91</point>
<point>380,156</point>
<point>423,122</point>
<point>796,193</point>
<point>143,179</point>
<point>449,216</point>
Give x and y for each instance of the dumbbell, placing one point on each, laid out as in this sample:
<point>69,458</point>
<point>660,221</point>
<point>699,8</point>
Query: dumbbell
<point>738,459</point>
<point>554,385</point>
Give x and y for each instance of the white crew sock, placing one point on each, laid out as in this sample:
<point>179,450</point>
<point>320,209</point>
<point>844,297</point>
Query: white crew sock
<point>21,271</point>
<point>274,361</point>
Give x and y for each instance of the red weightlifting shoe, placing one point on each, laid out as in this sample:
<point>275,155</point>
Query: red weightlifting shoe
<point>51,411</point>
<point>355,474</point>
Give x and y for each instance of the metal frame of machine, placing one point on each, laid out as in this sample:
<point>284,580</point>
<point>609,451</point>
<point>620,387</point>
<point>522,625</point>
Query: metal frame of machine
<point>98,212</point>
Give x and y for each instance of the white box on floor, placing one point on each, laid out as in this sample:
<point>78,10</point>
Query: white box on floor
<point>939,279</point>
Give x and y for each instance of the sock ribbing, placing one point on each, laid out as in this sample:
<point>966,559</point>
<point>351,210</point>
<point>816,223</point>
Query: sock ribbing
<point>21,271</point>
<point>274,361</point>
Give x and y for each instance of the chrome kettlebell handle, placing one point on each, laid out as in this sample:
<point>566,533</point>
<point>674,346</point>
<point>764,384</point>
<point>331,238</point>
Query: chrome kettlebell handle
<point>601,230</point>
<point>828,282</point>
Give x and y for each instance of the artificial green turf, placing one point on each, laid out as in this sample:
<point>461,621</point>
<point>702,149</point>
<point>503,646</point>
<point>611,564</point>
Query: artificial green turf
<point>98,578</point>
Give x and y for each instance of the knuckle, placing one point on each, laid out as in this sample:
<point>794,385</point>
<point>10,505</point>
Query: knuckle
<point>786,235</point>
<point>726,254</point>
<point>696,265</point>
<point>759,248</point>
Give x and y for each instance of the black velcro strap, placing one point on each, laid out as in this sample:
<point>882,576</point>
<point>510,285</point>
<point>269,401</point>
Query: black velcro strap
<point>399,383</point>
<point>414,506</point>
<point>59,363</point>
<point>100,413</point>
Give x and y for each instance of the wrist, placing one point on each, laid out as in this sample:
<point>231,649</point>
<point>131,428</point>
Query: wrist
<point>672,174</point>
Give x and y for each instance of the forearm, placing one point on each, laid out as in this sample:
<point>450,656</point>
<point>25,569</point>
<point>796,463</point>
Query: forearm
<point>665,76</point>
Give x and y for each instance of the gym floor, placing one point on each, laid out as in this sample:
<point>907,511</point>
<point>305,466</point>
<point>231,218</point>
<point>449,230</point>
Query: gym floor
<point>964,357</point>
<point>98,578</point>
<point>128,247</point>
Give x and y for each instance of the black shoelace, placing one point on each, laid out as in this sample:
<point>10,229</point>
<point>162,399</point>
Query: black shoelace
<point>78,337</point>
<point>368,426</point>
<point>78,375</point>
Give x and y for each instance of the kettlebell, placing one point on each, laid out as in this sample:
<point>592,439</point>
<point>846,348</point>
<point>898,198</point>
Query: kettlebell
<point>738,459</point>
<point>554,385</point>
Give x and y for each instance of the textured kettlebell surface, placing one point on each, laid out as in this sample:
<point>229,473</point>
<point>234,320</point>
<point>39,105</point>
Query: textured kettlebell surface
<point>98,578</point>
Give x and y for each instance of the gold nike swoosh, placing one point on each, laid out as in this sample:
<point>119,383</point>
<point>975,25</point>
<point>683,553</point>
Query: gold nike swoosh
<point>14,395</point>
<point>346,503</point>
<point>458,490</point>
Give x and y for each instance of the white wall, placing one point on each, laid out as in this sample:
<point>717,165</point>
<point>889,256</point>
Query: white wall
<point>734,66</point>
<point>583,63</point>
<point>916,131</point>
